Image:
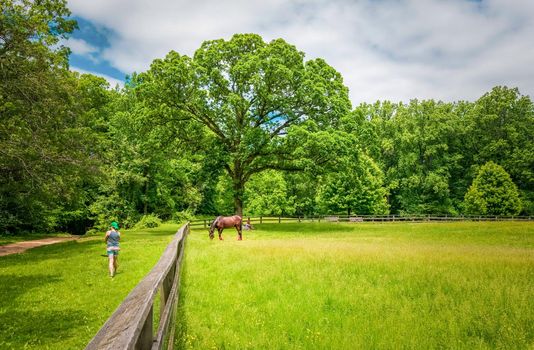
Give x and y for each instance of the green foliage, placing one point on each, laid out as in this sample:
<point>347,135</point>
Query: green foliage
<point>266,194</point>
<point>422,158</point>
<point>492,193</point>
<point>183,216</point>
<point>108,207</point>
<point>45,135</point>
<point>148,169</point>
<point>224,199</point>
<point>501,129</point>
<point>148,221</point>
<point>353,183</point>
<point>430,151</point>
<point>303,188</point>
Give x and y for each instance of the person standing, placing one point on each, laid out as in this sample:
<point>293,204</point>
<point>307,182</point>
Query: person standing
<point>112,239</point>
<point>248,225</point>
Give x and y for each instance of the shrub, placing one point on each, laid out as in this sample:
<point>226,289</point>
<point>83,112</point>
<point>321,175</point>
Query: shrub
<point>182,216</point>
<point>492,193</point>
<point>148,221</point>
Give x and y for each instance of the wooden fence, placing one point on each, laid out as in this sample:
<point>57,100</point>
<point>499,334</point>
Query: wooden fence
<point>131,325</point>
<point>204,223</point>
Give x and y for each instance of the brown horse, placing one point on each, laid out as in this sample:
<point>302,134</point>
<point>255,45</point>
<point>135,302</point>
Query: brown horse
<point>222,222</point>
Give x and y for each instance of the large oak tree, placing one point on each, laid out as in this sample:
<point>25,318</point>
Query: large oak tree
<point>257,99</point>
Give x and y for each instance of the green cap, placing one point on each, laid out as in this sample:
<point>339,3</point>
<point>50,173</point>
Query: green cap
<point>115,225</point>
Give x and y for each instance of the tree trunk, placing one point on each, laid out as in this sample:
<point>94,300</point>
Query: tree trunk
<point>145,199</point>
<point>239,189</point>
<point>238,205</point>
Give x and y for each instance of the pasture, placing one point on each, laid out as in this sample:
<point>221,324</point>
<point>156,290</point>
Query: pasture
<point>58,296</point>
<point>463,285</point>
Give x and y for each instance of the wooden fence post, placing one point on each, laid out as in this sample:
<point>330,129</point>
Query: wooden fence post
<point>166,289</point>
<point>146,338</point>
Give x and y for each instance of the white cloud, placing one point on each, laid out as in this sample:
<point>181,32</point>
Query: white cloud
<point>388,49</point>
<point>112,81</point>
<point>80,47</point>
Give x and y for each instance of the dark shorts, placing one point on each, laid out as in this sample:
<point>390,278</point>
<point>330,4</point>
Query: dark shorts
<point>112,252</point>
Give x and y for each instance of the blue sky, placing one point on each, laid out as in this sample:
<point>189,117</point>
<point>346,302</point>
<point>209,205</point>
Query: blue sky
<point>385,49</point>
<point>90,60</point>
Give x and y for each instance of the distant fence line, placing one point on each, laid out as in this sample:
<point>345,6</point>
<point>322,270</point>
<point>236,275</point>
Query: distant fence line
<point>368,218</point>
<point>131,325</point>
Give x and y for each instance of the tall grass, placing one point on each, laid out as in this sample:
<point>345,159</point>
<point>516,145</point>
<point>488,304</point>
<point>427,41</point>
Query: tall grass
<point>360,286</point>
<point>58,296</point>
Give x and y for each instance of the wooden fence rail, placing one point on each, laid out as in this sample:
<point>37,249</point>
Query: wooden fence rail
<point>131,325</point>
<point>369,218</point>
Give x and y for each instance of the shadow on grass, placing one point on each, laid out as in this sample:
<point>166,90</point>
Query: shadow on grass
<point>28,328</point>
<point>13,286</point>
<point>23,327</point>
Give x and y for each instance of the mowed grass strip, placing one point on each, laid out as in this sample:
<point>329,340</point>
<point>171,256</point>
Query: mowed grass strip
<point>360,286</point>
<point>59,296</point>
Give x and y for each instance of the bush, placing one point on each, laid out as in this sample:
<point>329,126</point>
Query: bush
<point>492,193</point>
<point>112,207</point>
<point>148,221</point>
<point>182,216</point>
<point>94,232</point>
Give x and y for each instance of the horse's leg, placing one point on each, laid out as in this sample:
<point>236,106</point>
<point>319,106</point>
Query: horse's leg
<point>239,235</point>
<point>220,233</point>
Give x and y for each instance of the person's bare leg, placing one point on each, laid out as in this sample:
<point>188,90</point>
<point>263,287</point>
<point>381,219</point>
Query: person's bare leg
<point>111,265</point>
<point>115,263</point>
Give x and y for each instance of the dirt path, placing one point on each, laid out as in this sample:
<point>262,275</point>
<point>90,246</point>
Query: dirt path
<point>20,247</point>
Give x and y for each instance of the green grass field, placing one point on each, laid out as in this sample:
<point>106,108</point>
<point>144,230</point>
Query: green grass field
<point>360,286</point>
<point>58,296</point>
<point>291,286</point>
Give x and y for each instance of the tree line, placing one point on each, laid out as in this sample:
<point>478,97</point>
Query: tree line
<point>242,126</point>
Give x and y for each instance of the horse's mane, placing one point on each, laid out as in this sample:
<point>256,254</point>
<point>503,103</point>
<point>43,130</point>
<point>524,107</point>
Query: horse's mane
<point>213,223</point>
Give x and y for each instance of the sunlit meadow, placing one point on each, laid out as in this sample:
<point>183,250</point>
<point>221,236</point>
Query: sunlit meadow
<point>462,285</point>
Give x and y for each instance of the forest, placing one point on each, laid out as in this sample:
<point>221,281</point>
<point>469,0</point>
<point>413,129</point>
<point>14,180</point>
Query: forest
<point>243,126</point>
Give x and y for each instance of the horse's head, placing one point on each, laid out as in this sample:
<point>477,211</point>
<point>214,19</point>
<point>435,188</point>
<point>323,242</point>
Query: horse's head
<point>212,227</point>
